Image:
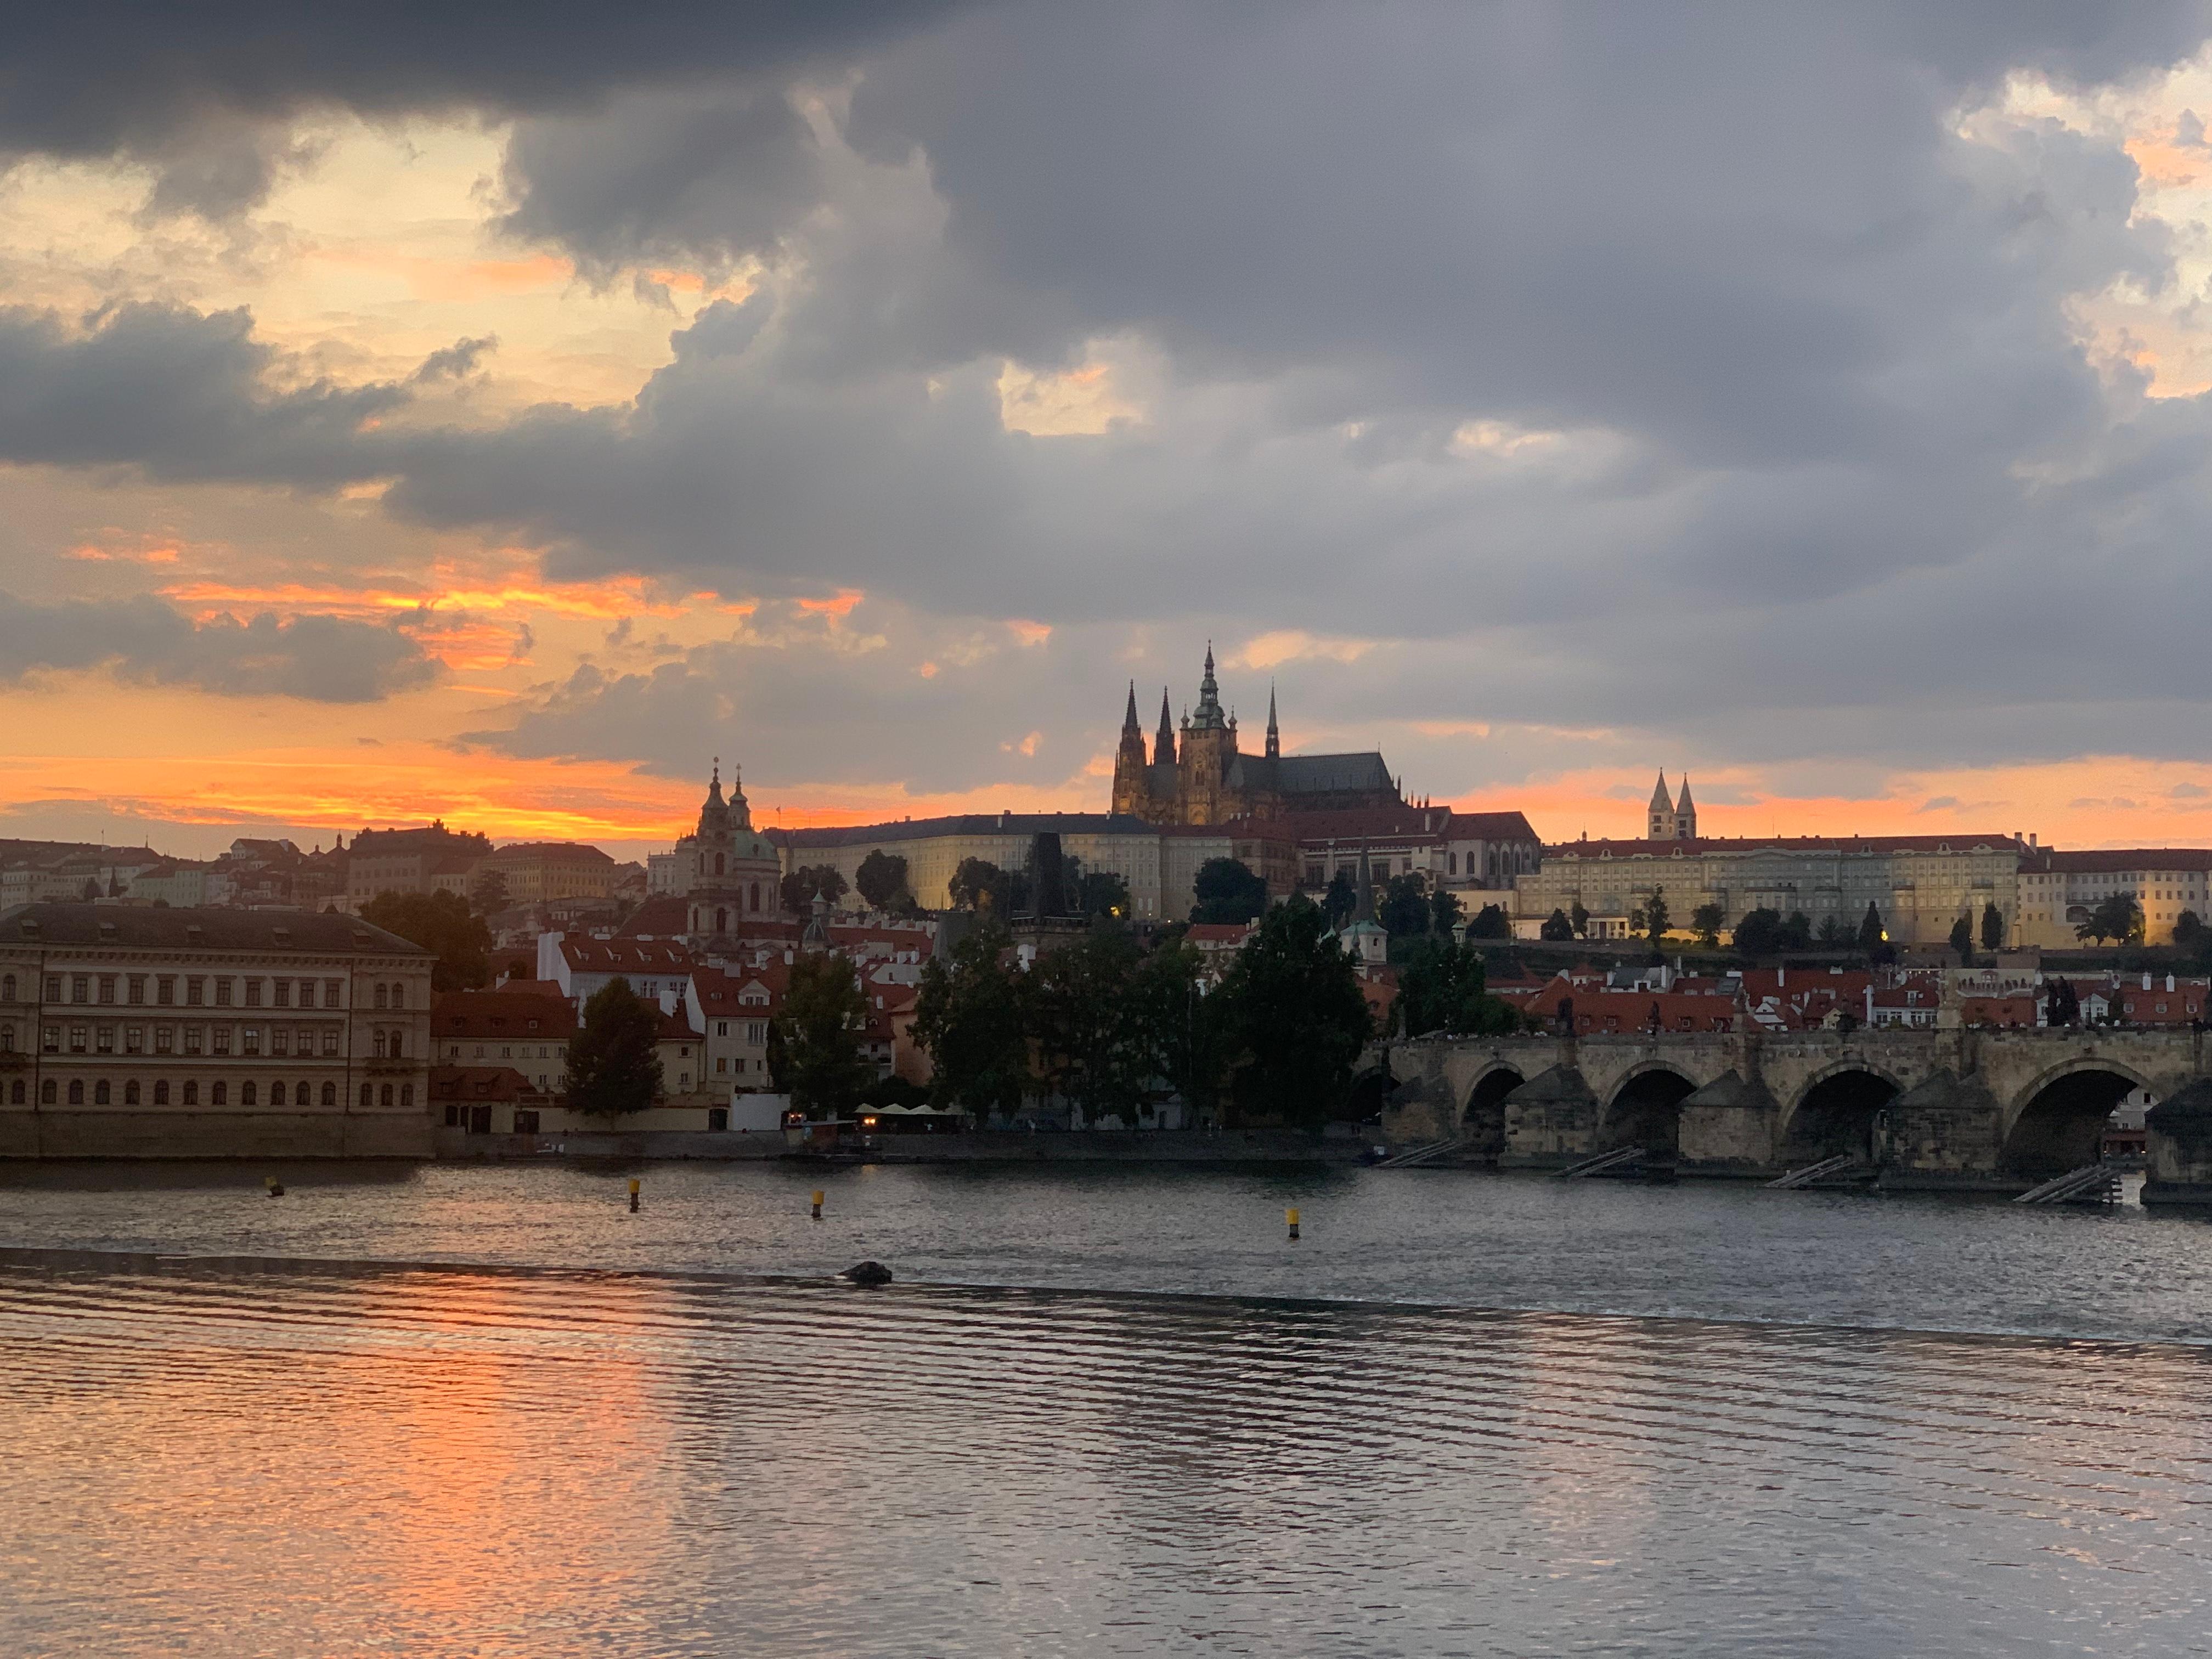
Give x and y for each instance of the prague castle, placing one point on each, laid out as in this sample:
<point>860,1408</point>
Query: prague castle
<point>1198,776</point>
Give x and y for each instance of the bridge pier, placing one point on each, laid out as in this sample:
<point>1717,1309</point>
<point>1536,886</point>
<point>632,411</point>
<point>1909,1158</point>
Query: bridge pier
<point>1729,1127</point>
<point>2180,1163</point>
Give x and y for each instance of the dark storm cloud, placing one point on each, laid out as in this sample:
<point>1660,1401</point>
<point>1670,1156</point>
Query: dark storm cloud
<point>177,393</point>
<point>196,91</point>
<point>147,641</point>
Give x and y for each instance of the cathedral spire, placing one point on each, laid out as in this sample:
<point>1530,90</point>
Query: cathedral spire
<point>1275,734</point>
<point>1163,750</point>
<point>1129,719</point>
<point>1210,715</point>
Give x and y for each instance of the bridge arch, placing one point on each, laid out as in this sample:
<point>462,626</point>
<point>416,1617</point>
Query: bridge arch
<point>1837,1111</point>
<point>1482,1123</point>
<point>1646,1109</point>
<point>2057,1123</point>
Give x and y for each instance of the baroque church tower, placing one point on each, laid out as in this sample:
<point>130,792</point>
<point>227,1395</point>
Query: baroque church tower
<point>733,872</point>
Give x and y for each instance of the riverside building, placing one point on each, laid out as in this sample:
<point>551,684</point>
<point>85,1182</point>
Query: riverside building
<point>209,1032</point>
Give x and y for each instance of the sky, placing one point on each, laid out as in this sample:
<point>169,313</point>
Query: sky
<point>497,413</point>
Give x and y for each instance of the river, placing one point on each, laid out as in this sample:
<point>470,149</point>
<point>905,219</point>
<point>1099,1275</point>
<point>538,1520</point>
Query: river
<point>488,1410</point>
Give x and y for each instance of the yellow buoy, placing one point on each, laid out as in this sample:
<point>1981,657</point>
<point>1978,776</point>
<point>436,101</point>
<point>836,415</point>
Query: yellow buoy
<point>633,1195</point>
<point>818,1204</point>
<point>1292,1216</point>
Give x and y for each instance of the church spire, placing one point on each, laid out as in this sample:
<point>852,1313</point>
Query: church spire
<point>1274,733</point>
<point>1209,715</point>
<point>1663,820</point>
<point>1130,721</point>
<point>1163,746</point>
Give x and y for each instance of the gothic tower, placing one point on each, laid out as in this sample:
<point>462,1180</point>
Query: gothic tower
<point>1274,735</point>
<point>1685,813</point>
<point>1209,744</point>
<point>1663,811</point>
<point>1129,781</point>
<point>1163,749</point>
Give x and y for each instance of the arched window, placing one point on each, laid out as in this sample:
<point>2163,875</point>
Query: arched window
<point>192,1094</point>
<point>275,1094</point>
<point>398,996</point>
<point>386,1094</point>
<point>7,987</point>
<point>15,1094</point>
<point>7,1039</point>
<point>329,1094</point>
<point>717,864</point>
<point>77,1092</point>
<point>753,901</point>
<point>246,1094</point>
<point>406,1094</point>
<point>131,1093</point>
<point>721,923</point>
<point>162,1092</point>
<point>378,1037</point>
<point>368,1094</point>
<point>381,994</point>
<point>46,1092</point>
<point>400,1045</point>
<point>219,1094</point>
<point>101,1094</point>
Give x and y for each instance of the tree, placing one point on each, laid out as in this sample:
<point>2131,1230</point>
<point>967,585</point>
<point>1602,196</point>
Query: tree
<point>442,923</point>
<point>979,884</point>
<point>1177,1026</point>
<point>882,881</point>
<point>2062,1005</point>
<point>1832,930</point>
<point>1962,941</point>
<point>613,1064</point>
<point>1294,1017</point>
<point>1797,932</point>
<point>971,1016</point>
<point>1445,910</point>
<point>1228,890</point>
<point>1341,900</point>
<point>1441,988</point>
<point>2188,933</point>
<point>2118,918</point>
<point>1870,936</point>
<point>1492,922</point>
<point>1405,907</point>
<point>1759,932</point>
<point>1706,922</point>
<point>802,886</point>
<point>1655,918</point>
<point>1557,928</point>
<point>1102,893</point>
<point>1083,1015</point>
<point>487,892</point>
<point>1579,918</point>
<point>1993,928</point>
<point>821,1023</point>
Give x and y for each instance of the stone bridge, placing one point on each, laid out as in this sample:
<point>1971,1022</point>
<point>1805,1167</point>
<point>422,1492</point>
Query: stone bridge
<point>1994,1109</point>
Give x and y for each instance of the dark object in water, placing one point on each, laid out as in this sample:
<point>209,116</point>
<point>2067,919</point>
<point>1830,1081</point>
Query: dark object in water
<point>867,1272</point>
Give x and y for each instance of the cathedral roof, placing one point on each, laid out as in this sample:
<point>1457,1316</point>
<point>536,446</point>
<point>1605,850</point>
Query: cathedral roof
<point>1661,800</point>
<point>1312,775</point>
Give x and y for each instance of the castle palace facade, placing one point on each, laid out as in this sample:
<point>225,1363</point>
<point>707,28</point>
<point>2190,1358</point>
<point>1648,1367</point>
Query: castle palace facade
<point>1199,776</point>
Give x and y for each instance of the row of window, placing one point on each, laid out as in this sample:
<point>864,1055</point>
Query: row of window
<point>102,1092</point>
<point>199,990</point>
<point>283,1040</point>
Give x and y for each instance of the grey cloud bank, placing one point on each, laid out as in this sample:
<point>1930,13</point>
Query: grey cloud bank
<point>1621,366</point>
